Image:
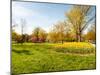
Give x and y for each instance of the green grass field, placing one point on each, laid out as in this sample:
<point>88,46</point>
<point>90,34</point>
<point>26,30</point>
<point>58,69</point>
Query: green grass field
<point>44,57</point>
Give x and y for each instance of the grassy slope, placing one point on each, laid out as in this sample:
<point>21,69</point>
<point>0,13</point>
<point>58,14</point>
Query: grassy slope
<point>31,58</point>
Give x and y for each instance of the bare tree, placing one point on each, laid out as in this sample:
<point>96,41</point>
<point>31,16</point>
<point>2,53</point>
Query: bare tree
<point>80,17</point>
<point>59,31</point>
<point>23,23</point>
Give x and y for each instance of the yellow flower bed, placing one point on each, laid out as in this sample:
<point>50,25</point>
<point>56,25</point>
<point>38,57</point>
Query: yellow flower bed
<point>75,47</point>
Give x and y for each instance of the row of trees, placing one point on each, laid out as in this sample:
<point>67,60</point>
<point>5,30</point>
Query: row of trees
<point>39,35</point>
<point>71,29</point>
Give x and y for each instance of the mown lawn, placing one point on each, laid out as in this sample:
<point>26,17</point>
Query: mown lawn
<point>45,57</point>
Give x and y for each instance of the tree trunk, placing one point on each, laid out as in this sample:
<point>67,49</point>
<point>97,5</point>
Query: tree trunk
<point>76,36</point>
<point>62,41</point>
<point>79,37</point>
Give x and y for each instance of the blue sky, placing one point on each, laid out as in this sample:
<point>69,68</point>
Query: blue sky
<point>37,15</point>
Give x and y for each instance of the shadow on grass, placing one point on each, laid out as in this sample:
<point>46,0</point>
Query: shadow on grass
<point>26,52</point>
<point>14,74</point>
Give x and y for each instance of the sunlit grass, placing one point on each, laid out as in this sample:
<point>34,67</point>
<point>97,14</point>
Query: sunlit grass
<point>44,57</point>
